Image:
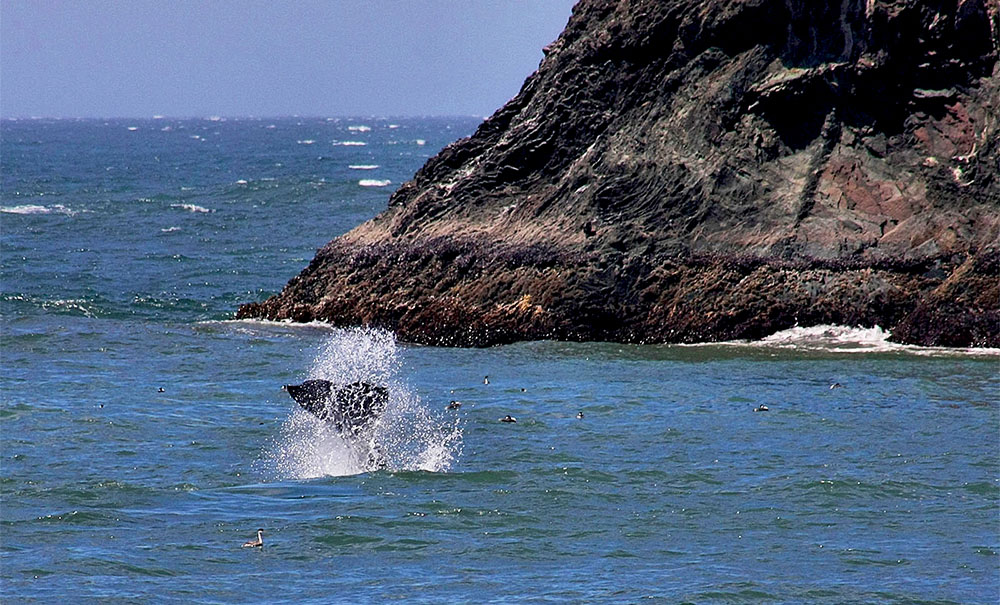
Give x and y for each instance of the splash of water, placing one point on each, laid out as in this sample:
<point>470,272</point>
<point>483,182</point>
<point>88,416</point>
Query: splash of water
<point>406,436</point>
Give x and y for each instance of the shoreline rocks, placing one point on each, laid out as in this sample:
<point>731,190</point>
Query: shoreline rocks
<point>682,171</point>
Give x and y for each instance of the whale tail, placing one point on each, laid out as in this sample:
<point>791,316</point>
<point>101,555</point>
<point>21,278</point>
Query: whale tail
<point>350,407</point>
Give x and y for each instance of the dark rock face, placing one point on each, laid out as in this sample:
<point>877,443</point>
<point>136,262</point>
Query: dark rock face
<point>691,170</point>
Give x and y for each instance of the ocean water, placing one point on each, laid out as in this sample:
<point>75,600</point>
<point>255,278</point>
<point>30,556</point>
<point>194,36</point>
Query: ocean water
<point>127,246</point>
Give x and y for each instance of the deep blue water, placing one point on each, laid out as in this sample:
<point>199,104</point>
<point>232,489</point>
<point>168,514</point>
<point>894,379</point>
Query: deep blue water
<point>124,255</point>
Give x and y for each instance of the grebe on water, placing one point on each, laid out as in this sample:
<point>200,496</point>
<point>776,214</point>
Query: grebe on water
<point>258,542</point>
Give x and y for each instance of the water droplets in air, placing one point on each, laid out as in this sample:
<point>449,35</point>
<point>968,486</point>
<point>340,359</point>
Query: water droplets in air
<point>407,436</point>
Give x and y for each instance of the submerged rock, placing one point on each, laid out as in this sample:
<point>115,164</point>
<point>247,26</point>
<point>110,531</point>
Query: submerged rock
<point>683,170</point>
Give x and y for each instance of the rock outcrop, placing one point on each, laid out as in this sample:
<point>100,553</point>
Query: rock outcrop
<point>699,170</point>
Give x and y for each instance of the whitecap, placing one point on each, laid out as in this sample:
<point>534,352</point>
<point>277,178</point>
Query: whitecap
<point>133,128</point>
<point>393,126</point>
<point>241,182</point>
<point>305,141</point>
<point>359,128</point>
<point>38,209</point>
<point>26,209</point>
<point>847,339</point>
<point>374,183</point>
<point>170,229</point>
<point>349,143</point>
<point>421,142</point>
<point>192,208</point>
<point>363,166</point>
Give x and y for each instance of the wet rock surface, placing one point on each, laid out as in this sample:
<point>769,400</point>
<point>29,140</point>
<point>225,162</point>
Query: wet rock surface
<point>682,171</point>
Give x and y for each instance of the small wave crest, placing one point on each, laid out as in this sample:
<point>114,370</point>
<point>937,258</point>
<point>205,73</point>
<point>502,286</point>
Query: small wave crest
<point>363,166</point>
<point>374,183</point>
<point>192,208</point>
<point>349,143</point>
<point>846,339</point>
<point>38,209</point>
<point>406,436</point>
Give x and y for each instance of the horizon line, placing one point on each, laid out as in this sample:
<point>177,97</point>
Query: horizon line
<point>221,117</point>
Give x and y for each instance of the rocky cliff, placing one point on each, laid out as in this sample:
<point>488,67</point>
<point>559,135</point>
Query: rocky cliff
<point>698,170</point>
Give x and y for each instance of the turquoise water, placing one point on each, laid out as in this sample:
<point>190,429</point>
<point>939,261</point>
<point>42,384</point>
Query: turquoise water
<point>124,255</point>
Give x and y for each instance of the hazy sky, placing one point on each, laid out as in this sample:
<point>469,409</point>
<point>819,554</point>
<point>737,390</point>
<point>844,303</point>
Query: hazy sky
<point>136,58</point>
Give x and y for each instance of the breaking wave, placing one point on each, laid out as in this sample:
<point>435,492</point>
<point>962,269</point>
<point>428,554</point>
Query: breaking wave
<point>846,339</point>
<point>191,208</point>
<point>406,437</point>
<point>374,182</point>
<point>37,209</point>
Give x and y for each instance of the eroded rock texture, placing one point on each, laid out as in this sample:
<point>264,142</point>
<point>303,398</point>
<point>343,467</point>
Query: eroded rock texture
<point>692,170</point>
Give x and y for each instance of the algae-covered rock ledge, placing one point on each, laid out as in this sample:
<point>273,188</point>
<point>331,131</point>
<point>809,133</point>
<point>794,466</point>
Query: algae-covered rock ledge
<point>685,171</point>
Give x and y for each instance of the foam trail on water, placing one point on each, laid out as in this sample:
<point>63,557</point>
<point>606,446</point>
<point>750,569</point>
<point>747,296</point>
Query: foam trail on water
<point>406,437</point>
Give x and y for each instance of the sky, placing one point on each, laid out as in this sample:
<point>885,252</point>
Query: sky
<point>194,58</point>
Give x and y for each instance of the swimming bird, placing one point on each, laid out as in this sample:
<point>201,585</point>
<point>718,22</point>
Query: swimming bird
<point>258,542</point>
<point>160,390</point>
<point>508,418</point>
<point>486,379</point>
<point>454,405</point>
<point>836,385</point>
<point>579,414</point>
<point>761,408</point>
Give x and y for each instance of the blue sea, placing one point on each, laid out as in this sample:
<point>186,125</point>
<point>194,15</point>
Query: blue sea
<point>144,435</point>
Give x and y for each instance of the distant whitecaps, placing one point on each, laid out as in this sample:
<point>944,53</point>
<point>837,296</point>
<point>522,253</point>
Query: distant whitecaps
<point>361,128</point>
<point>170,229</point>
<point>191,207</point>
<point>133,128</point>
<point>349,143</point>
<point>305,141</point>
<point>374,183</point>
<point>363,166</point>
<point>421,142</point>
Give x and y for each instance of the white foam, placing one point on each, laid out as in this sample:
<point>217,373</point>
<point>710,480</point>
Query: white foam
<point>374,183</point>
<point>38,209</point>
<point>26,209</point>
<point>170,229</point>
<point>361,128</point>
<point>393,126</point>
<point>192,208</point>
<point>133,128</point>
<point>406,437</point>
<point>349,143</point>
<point>363,166</point>
<point>305,141</point>
<point>241,182</point>
<point>846,339</point>
<point>421,142</point>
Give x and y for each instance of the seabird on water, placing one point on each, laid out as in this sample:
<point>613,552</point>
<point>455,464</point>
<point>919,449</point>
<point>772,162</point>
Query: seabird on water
<point>258,542</point>
<point>761,408</point>
<point>508,418</point>
<point>579,414</point>
<point>836,385</point>
<point>486,379</point>
<point>454,405</point>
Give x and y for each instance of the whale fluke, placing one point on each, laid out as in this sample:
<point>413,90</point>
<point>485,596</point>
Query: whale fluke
<point>350,407</point>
